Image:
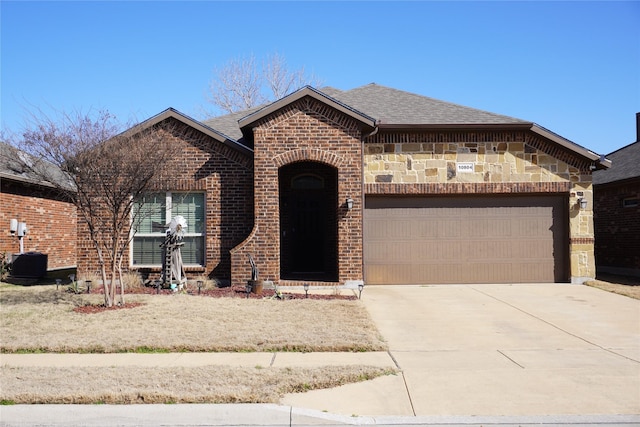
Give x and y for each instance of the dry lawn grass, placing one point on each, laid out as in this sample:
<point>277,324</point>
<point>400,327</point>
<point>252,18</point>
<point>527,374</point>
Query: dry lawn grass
<point>41,319</point>
<point>627,286</point>
<point>209,384</point>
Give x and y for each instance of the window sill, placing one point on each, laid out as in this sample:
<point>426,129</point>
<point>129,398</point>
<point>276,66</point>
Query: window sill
<point>157,268</point>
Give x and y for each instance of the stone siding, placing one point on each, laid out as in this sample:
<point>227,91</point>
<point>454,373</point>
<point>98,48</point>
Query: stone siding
<point>486,163</point>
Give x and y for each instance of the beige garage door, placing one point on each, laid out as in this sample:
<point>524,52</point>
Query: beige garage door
<point>433,240</point>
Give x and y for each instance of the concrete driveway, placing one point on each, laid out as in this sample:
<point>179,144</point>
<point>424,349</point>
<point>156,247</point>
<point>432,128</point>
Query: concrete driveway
<point>497,350</point>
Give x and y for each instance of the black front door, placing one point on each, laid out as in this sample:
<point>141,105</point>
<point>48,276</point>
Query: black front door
<point>307,231</point>
<point>308,226</point>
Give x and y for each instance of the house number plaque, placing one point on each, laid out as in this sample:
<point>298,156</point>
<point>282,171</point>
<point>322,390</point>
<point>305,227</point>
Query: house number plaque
<point>465,167</point>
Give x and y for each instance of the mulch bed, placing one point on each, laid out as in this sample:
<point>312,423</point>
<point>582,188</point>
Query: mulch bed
<point>240,292</point>
<point>226,292</point>
<point>100,308</point>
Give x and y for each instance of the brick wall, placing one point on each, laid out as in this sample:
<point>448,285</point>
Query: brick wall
<point>225,176</point>
<point>617,228</point>
<point>305,130</point>
<point>51,222</point>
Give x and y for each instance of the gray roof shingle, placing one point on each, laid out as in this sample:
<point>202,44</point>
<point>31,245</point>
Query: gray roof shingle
<point>397,107</point>
<point>19,166</point>
<point>228,124</point>
<point>390,106</point>
<point>393,108</point>
<point>625,164</point>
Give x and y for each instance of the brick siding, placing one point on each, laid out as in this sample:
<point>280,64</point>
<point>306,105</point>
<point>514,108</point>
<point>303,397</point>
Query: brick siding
<point>243,198</point>
<point>225,175</point>
<point>305,130</point>
<point>617,229</point>
<point>51,222</point>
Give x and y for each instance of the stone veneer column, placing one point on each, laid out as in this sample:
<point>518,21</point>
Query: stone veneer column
<point>581,231</point>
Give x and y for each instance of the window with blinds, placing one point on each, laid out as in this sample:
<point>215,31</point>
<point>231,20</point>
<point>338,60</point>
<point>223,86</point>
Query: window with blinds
<point>151,215</point>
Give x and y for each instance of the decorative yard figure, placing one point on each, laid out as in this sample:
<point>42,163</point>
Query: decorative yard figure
<point>254,285</point>
<point>254,268</point>
<point>172,267</point>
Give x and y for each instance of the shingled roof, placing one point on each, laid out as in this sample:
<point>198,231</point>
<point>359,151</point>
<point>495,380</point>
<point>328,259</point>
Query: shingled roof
<point>396,107</point>
<point>625,164</point>
<point>16,165</point>
<point>389,106</point>
<point>393,108</point>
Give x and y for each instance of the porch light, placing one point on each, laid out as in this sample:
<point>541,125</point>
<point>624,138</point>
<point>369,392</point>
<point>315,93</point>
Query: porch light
<point>306,290</point>
<point>582,203</point>
<point>349,203</point>
<point>360,288</point>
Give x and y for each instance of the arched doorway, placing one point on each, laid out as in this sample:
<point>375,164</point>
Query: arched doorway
<point>308,222</point>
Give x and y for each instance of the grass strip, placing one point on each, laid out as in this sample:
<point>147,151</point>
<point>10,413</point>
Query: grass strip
<point>134,385</point>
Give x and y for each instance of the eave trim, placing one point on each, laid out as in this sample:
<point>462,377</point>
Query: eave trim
<point>572,146</point>
<point>183,118</point>
<point>247,121</point>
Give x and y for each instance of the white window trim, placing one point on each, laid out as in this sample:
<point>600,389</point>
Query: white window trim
<point>168,202</point>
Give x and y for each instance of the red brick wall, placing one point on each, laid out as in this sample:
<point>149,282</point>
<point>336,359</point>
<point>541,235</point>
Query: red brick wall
<point>617,229</point>
<point>305,130</point>
<point>51,223</point>
<point>225,175</point>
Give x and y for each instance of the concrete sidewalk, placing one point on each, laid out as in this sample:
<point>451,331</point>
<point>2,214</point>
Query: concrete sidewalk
<point>469,355</point>
<point>190,360</point>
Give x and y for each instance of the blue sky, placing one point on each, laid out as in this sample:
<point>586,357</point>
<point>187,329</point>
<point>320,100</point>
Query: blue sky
<point>572,67</point>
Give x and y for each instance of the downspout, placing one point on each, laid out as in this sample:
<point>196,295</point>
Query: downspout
<point>373,132</point>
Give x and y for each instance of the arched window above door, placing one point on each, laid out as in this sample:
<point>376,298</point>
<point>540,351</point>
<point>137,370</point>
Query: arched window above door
<point>307,181</point>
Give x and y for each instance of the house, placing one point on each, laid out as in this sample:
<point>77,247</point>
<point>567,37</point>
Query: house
<point>50,219</point>
<point>617,211</point>
<point>376,185</point>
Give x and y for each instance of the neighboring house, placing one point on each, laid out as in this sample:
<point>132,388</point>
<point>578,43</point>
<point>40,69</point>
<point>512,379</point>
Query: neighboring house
<point>379,186</point>
<point>51,221</point>
<point>617,211</point>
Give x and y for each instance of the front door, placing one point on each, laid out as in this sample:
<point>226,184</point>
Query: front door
<point>306,231</point>
<point>308,226</point>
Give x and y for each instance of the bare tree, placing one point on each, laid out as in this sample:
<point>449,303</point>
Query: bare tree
<point>104,173</point>
<point>241,84</point>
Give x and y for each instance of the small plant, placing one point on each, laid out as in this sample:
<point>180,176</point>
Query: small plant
<point>132,280</point>
<point>73,286</point>
<point>4,265</point>
<point>205,283</point>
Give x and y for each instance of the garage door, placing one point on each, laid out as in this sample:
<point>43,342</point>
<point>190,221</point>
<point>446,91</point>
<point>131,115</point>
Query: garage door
<point>434,240</point>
